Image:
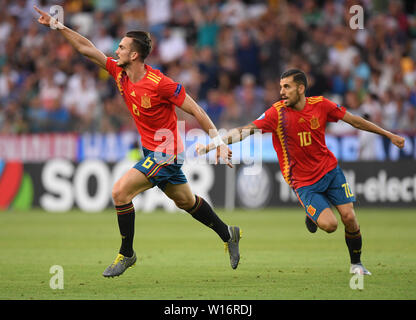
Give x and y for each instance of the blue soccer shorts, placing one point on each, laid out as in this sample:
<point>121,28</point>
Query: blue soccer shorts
<point>331,189</point>
<point>161,168</point>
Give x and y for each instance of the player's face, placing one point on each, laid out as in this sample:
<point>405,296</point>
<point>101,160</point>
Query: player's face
<point>289,91</point>
<point>124,53</point>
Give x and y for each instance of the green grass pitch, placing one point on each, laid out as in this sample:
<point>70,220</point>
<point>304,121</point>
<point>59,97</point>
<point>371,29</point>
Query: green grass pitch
<point>178,258</point>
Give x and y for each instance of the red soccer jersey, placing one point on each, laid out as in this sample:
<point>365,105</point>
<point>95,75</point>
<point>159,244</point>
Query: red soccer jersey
<point>152,101</point>
<point>299,139</point>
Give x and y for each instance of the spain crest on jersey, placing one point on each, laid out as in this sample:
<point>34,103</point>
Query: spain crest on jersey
<point>311,210</point>
<point>118,81</point>
<point>315,123</point>
<point>145,102</point>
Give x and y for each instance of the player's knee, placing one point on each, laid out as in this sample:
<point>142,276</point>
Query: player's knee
<point>329,226</point>
<point>184,204</point>
<point>119,197</point>
<point>348,218</point>
<point>332,227</point>
<point>327,221</point>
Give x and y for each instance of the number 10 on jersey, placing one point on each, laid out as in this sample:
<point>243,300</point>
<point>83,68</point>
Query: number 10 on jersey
<point>347,189</point>
<point>305,138</point>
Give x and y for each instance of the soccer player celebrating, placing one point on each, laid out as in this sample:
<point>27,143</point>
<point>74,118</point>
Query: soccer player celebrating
<point>151,98</point>
<point>298,126</point>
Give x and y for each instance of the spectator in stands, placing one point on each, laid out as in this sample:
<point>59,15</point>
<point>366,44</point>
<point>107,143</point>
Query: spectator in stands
<point>8,81</point>
<point>389,110</point>
<point>37,116</point>
<point>104,41</point>
<point>249,98</point>
<point>247,52</point>
<point>352,104</point>
<point>232,13</point>
<point>405,115</point>
<point>158,15</point>
<point>371,106</point>
<point>82,103</point>
<point>172,45</point>
<point>206,23</point>
<point>214,106</point>
<point>58,117</point>
<point>208,69</point>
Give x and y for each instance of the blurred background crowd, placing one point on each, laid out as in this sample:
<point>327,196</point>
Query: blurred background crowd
<point>228,54</point>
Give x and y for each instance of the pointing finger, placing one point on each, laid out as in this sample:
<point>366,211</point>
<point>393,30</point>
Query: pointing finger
<point>38,10</point>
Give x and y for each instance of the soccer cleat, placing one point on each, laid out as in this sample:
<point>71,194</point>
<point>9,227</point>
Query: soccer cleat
<point>358,268</point>
<point>120,264</point>
<point>232,246</point>
<point>310,225</point>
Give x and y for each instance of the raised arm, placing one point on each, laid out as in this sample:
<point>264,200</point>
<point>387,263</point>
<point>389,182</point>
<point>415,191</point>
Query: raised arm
<point>362,124</point>
<point>80,43</point>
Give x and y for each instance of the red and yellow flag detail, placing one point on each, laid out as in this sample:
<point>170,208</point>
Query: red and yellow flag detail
<point>151,76</point>
<point>118,82</point>
<point>145,102</point>
<point>313,100</point>
<point>311,210</point>
<point>315,123</point>
<point>159,166</point>
<point>280,134</point>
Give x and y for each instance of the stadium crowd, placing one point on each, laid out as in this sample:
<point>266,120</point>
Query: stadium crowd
<point>228,54</point>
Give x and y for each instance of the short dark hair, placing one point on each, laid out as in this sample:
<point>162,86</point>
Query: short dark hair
<point>142,43</point>
<point>298,76</point>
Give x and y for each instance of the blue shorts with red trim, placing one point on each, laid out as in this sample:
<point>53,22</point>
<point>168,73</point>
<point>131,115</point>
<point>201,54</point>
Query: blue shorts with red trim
<point>161,168</point>
<point>331,189</point>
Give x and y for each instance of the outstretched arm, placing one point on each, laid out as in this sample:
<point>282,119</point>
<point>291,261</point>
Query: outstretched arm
<point>362,124</point>
<point>233,136</point>
<point>80,43</point>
